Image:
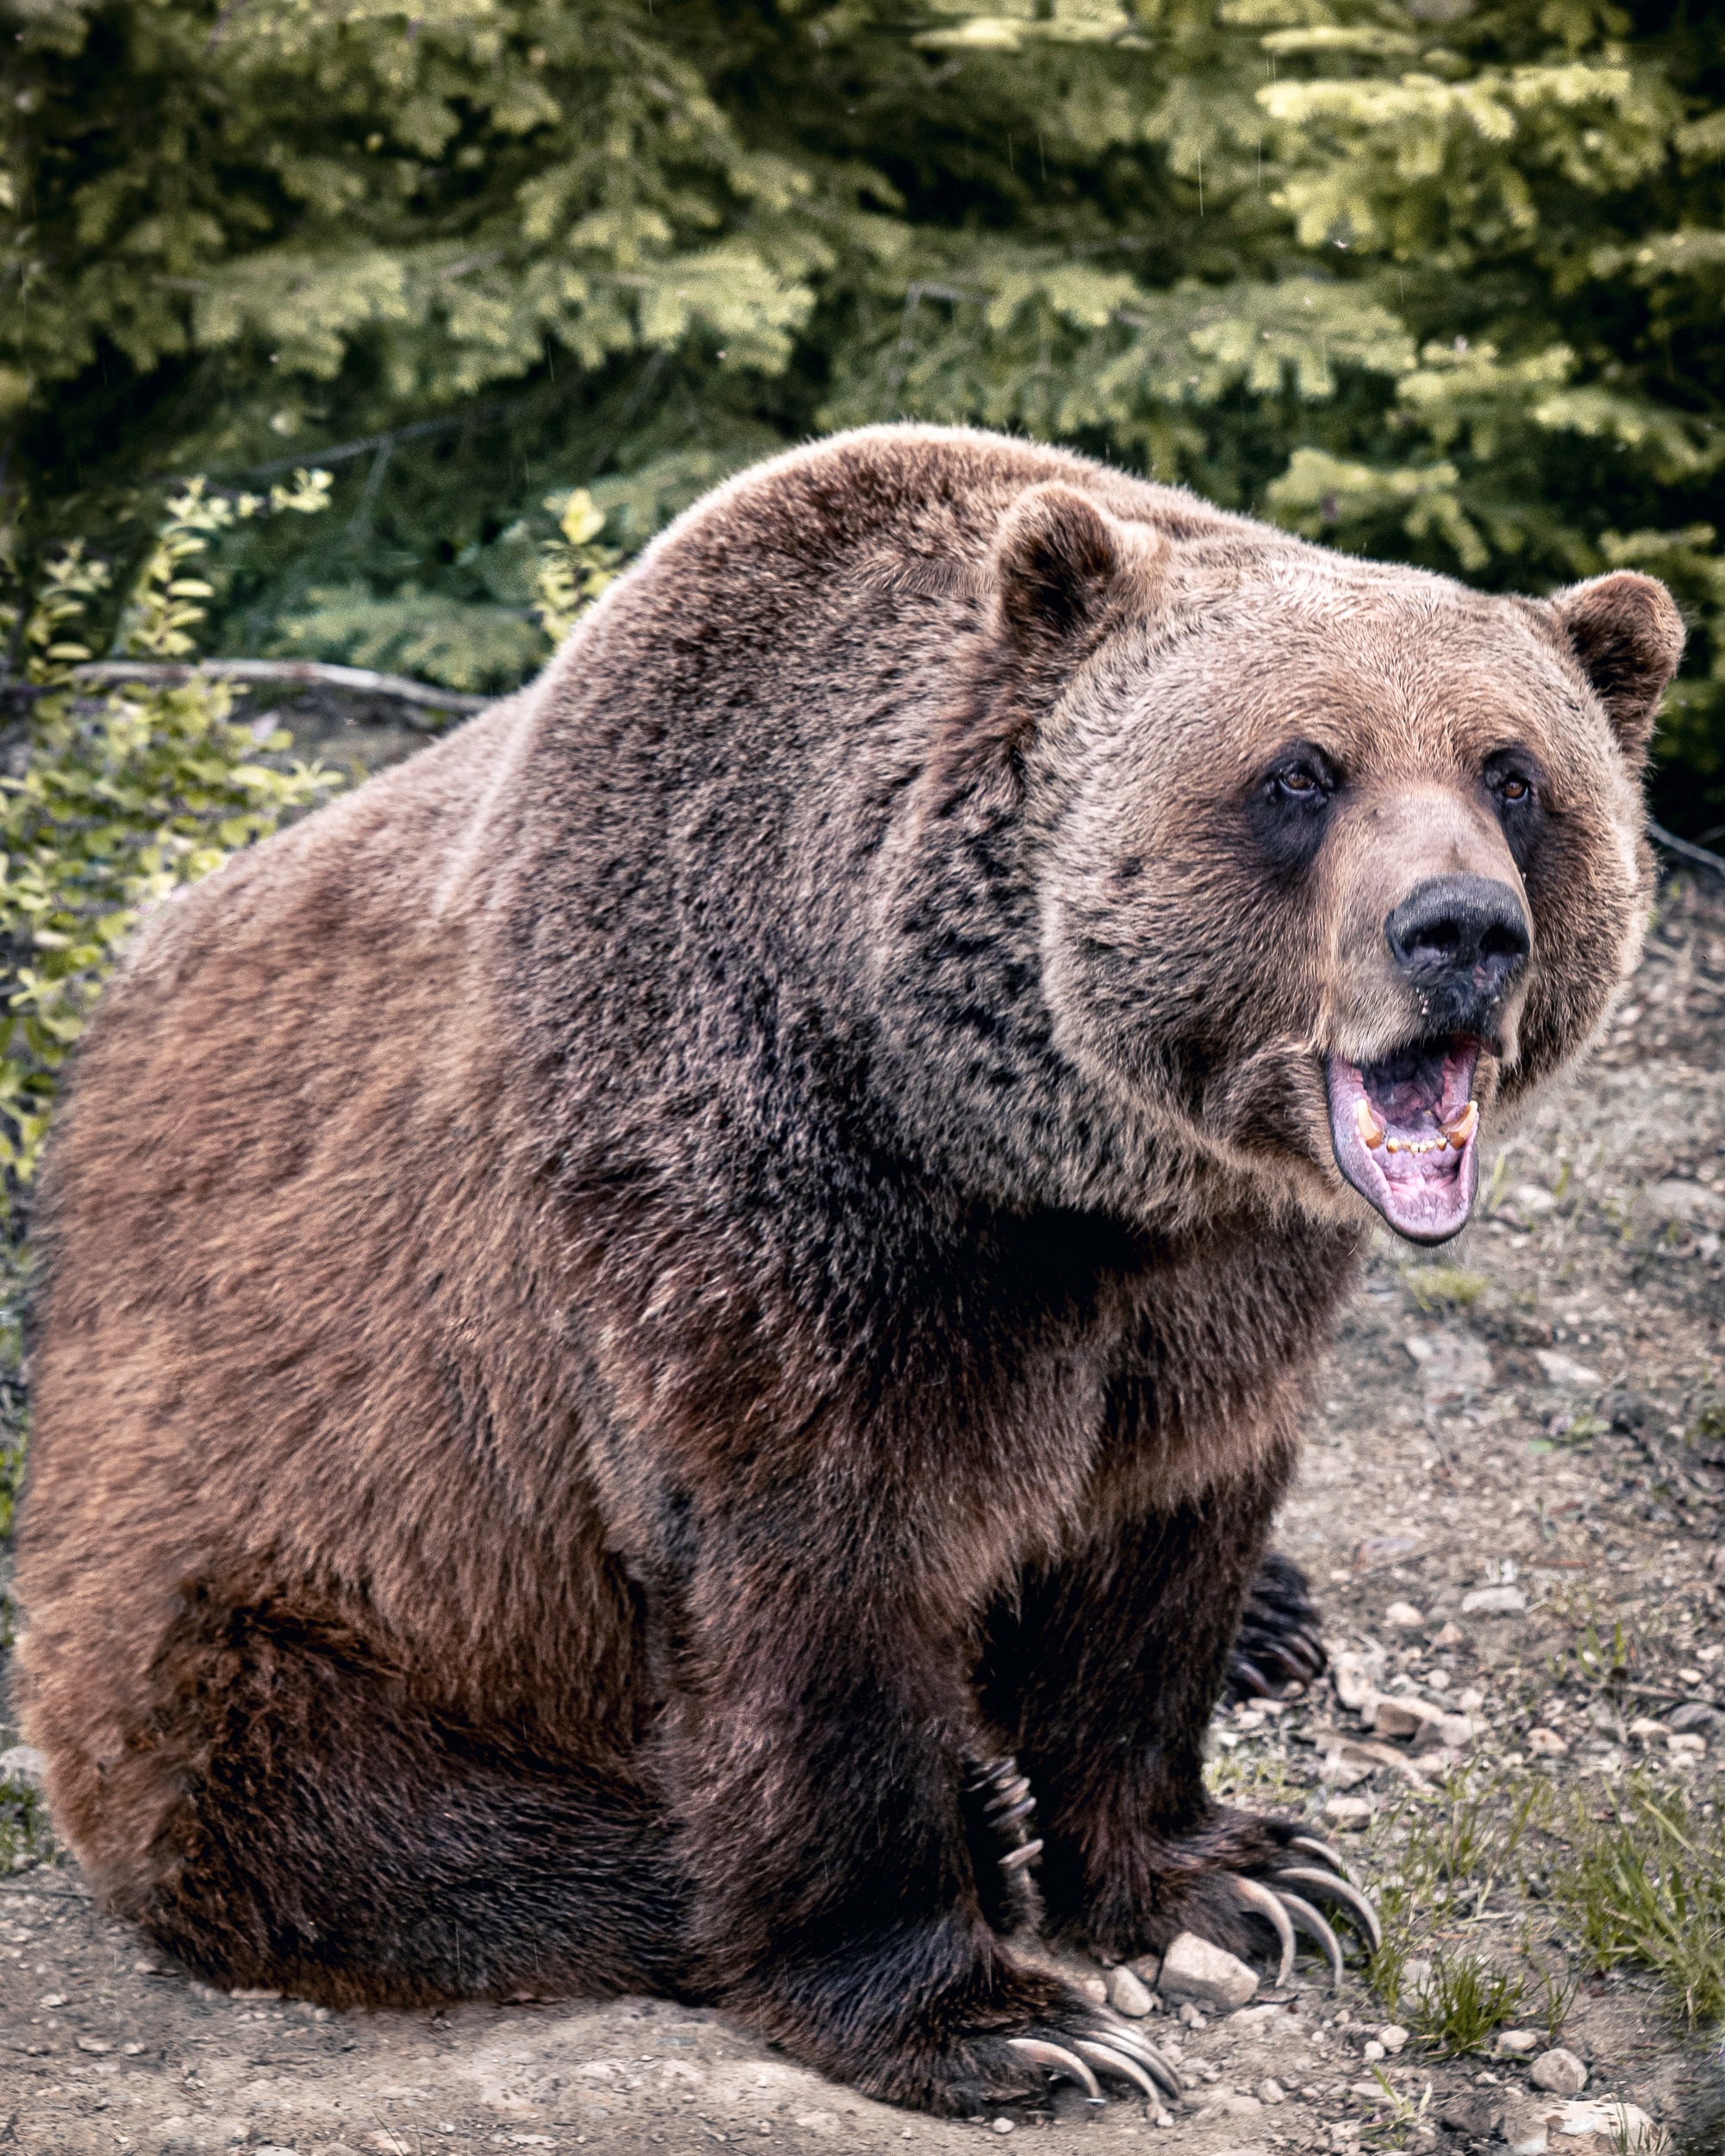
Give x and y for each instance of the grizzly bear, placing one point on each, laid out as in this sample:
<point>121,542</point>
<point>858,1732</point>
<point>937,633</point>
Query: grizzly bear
<point>658,1322</point>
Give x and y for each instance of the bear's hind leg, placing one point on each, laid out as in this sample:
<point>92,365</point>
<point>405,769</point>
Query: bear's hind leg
<point>1278,1641</point>
<point>320,1830</point>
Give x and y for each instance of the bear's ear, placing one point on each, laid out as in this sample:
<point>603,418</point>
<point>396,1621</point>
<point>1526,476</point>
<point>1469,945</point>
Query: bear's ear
<point>1058,559</point>
<point>1628,634</point>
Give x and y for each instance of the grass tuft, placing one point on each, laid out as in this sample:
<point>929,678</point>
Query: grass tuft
<point>1465,2001</point>
<point>1644,1886</point>
<point>1440,1289</point>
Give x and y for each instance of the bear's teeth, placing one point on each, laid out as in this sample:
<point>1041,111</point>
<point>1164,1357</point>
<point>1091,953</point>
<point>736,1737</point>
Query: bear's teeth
<point>1464,1127</point>
<point>1368,1125</point>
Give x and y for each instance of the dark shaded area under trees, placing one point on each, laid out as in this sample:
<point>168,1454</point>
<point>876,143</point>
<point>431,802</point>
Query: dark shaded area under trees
<point>1428,280</point>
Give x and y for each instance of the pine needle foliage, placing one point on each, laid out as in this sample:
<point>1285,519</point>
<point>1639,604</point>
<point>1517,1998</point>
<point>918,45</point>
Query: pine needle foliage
<point>1436,279</point>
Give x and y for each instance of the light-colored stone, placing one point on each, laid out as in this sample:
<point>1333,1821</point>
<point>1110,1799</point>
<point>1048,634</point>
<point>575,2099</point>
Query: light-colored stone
<point>1355,1677</point>
<point>1647,1730</point>
<point>1686,1740</point>
<point>1692,1203</point>
<point>1374,2051</point>
<point>1126,1995</point>
<point>1493,1602</point>
<point>1226,2104</point>
<point>1270,2092</point>
<point>1449,1633</point>
<point>1194,1970</point>
<point>1451,1733</point>
<point>1518,2043</point>
<point>1546,1744</point>
<point>1348,1811</point>
<point>1560,2072</point>
<point>1094,1988</point>
<point>1524,2128</point>
<point>1564,1374</point>
<point>1402,1714</point>
<point>1403,1616</point>
<point>1624,2124</point>
<point>23,1763</point>
<point>1392,2036</point>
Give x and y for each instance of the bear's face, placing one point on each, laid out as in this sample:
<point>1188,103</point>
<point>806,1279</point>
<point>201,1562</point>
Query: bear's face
<point>1337,862</point>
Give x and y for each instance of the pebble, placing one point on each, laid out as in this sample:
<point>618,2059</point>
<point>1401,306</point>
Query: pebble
<point>1348,1811</point>
<point>1681,1741</point>
<point>1560,2072</point>
<point>1094,1988</point>
<point>1392,2036</point>
<point>1450,1634</point>
<point>1126,1995</point>
<point>1493,1602</point>
<point>1403,1616</point>
<point>1547,1744</point>
<point>1193,1968</point>
<point>1374,2051</point>
<point>1003,2126</point>
<point>1403,1715</point>
<point>1518,2042</point>
<point>1270,2092</point>
<point>23,1763</point>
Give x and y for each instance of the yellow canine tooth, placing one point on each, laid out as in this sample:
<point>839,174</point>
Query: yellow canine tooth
<point>1392,1145</point>
<point>1464,1127</point>
<point>1368,1125</point>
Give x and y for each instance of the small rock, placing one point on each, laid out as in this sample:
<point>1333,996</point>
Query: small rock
<point>1563,1374</point>
<point>95,2044</point>
<point>1003,2126</point>
<point>1493,1602</point>
<point>1648,1730</point>
<point>1403,1616</point>
<point>1449,1635</point>
<point>53,1999</point>
<point>1392,2036</point>
<point>1524,2128</point>
<point>1624,2125</point>
<point>1269,2091</point>
<point>1547,1744</point>
<point>1445,1733</point>
<point>1680,1741</point>
<point>1094,1988</point>
<point>1192,1968</point>
<point>1190,2017</point>
<point>1126,1995</point>
<point>1348,1811</point>
<point>1474,2115</point>
<point>1374,2051</point>
<point>1148,1971</point>
<point>1694,1715</point>
<point>23,1763</point>
<point>1560,2072</point>
<point>1402,1714</point>
<point>1692,1203</point>
<point>1355,1676</point>
<point>1227,2105</point>
<point>1518,2043</point>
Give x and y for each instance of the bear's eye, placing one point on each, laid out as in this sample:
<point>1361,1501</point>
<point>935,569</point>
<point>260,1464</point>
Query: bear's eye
<point>1516,788</point>
<point>1303,778</point>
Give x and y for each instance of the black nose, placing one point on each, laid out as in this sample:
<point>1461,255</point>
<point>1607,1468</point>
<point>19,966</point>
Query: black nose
<point>1461,940</point>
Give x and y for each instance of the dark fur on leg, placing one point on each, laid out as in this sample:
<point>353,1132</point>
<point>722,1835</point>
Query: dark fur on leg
<point>1279,1642</point>
<point>1110,1719</point>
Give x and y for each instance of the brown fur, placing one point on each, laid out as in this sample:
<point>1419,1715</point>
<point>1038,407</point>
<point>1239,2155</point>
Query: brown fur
<point>626,1303</point>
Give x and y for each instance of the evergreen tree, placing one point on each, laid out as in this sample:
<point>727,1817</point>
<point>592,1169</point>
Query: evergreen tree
<point>1428,278</point>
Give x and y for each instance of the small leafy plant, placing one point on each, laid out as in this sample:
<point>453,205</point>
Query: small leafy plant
<point>122,797</point>
<point>1465,2001</point>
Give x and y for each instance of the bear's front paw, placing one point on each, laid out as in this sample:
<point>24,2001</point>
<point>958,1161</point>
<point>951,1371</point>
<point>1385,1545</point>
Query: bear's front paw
<point>1230,1883</point>
<point>1078,2039</point>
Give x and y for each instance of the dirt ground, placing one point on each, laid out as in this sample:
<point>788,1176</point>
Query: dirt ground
<point>1527,1414</point>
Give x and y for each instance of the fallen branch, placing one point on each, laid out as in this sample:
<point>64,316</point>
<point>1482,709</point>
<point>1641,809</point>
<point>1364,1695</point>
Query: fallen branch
<point>1684,849</point>
<point>287,674</point>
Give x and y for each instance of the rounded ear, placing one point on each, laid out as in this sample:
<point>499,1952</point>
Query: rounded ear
<point>1057,560</point>
<point>1628,635</point>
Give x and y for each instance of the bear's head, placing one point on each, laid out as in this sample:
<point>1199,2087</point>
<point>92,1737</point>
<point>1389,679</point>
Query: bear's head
<point>1331,862</point>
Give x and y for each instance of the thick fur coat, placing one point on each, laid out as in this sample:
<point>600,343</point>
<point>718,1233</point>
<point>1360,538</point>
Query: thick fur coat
<point>630,1306</point>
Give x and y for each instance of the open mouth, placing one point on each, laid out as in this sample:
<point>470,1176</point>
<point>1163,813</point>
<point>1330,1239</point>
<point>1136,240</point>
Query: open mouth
<point>1404,1132</point>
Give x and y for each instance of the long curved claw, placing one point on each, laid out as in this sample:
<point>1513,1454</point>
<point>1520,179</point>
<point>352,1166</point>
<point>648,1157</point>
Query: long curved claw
<point>1113,2061</point>
<point>1248,1677</point>
<point>1015,1859</point>
<point>1057,2060</point>
<point>1121,2036</point>
<point>1307,1918</point>
<point>1348,1895</point>
<point>1010,1817</point>
<point>1265,1902</point>
<point>1320,1849</point>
